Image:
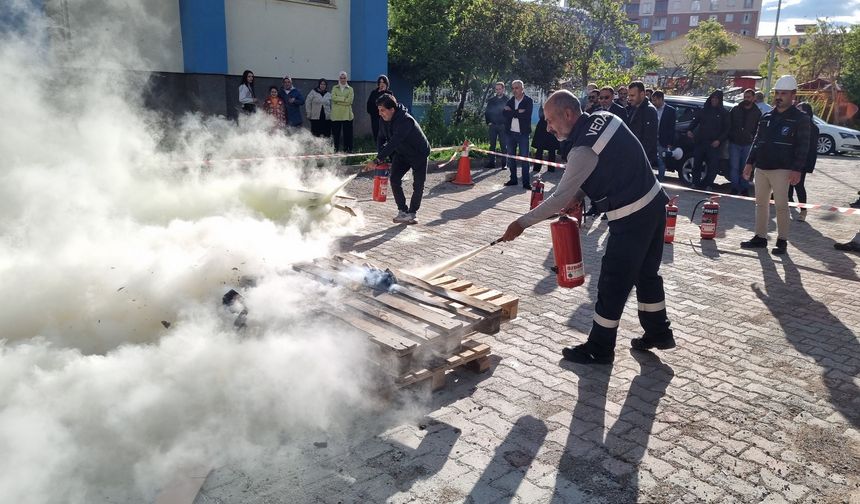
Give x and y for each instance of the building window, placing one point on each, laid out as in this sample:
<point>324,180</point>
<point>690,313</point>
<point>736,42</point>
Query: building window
<point>658,35</point>
<point>644,22</point>
<point>676,5</point>
<point>730,18</point>
<point>713,17</point>
<point>676,19</point>
<point>748,4</point>
<point>747,18</point>
<point>715,5</point>
<point>647,8</point>
<point>674,34</point>
<point>785,42</point>
<point>745,32</point>
<point>731,3</point>
<point>695,5</point>
<point>694,20</point>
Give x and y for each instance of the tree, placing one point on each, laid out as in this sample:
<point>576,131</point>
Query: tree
<point>706,45</point>
<point>609,38</point>
<point>851,69</point>
<point>821,54</point>
<point>419,41</point>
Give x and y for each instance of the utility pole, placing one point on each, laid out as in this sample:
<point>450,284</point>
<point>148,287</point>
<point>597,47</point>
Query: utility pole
<point>772,51</point>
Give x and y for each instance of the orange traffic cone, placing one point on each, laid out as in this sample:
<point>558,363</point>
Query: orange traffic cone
<point>464,168</point>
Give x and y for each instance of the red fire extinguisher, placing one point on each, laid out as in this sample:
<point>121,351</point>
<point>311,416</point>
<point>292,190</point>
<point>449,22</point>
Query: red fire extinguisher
<point>568,252</point>
<point>671,219</point>
<point>380,183</point>
<point>537,193</point>
<point>710,216</point>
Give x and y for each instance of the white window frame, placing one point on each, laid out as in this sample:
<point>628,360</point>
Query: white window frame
<point>730,18</point>
<point>694,21</point>
<point>676,20</point>
<point>747,19</point>
<point>696,5</point>
<point>714,5</point>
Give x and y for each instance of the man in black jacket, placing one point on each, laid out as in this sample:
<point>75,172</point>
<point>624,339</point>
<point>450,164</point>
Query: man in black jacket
<point>642,120</point>
<point>743,120</point>
<point>495,119</point>
<point>401,136</point>
<point>518,113</point>
<point>666,120</point>
<point>606,102</point>
<point>779,153</point>
<point>709,130</point>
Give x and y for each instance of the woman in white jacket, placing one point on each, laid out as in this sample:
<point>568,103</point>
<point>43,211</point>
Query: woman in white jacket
<point>318,109</point>
<point>247,97</point>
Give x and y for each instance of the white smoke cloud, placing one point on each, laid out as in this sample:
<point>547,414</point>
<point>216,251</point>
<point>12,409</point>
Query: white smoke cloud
<point>103,236</point>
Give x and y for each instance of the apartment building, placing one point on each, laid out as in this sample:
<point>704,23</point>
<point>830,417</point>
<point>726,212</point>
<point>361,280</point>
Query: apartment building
<point>669,19</point>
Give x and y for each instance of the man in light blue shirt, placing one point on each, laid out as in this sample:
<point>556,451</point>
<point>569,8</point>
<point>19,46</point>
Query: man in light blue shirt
<point>759,102</point>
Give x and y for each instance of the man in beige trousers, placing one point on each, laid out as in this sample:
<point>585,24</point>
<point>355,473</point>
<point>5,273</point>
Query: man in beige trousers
<point>779,155</point>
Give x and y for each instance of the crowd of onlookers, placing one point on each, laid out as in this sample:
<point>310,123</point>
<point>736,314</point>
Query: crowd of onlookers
<point>328,108</point>
<point>716,133</point>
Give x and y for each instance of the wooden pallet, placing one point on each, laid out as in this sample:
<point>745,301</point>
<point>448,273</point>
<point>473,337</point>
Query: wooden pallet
<point>411,327</point>
<point>508,303</point>
<point>472,354</point>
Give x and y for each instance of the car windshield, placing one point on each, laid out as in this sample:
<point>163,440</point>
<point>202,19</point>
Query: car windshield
<point>818,120</point>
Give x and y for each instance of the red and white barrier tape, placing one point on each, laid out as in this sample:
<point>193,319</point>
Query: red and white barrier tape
<point>333,155</point>
<point>810,206</point>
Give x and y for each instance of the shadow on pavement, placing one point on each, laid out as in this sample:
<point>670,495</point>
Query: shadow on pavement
<point>791,305</point>
<point>608,468</point>
<point>511,461</point>
<point>472,208</point>
<point>362,243</point>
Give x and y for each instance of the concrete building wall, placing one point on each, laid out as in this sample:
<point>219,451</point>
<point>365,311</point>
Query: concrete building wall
<point>280,37</point>
<point>152,27</point>
<point>669,19</point>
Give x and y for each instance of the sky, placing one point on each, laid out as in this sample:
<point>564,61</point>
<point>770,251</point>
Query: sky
<point>806,11</point>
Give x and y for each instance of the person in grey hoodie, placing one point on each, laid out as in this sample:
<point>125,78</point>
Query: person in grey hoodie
<point>495,119</point>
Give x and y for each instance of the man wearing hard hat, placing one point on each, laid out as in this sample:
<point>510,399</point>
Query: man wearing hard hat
<point>779,155</point>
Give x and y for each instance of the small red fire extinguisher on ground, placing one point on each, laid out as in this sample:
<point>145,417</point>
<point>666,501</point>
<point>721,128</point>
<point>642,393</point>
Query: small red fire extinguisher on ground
<point>568,252</point>
<point>671,219</point>
<point>710,216</point>
<point>380,183</point>
<point>537,193</point>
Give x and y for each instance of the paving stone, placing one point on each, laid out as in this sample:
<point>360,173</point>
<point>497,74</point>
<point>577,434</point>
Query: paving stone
<point>767,352</point>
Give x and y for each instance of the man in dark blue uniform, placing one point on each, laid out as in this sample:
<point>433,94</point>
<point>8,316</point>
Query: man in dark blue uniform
<point>607,164</point>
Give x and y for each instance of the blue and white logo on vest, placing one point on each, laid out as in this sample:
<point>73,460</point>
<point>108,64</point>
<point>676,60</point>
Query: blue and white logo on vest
<point>785,131</point>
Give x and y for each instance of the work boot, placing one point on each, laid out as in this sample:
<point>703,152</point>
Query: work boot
<point>802,216</point>
<point>401,218</point>
<point>411,218</point>
<point>851,246</point>
<point>781,247</point>
<point>585,354</point>
<point>756,242</point>
<point>648,342</point>
<point>512,182</point>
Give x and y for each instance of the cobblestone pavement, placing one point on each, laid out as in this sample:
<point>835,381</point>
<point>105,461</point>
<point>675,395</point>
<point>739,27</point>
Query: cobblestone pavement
<point>758,403</point>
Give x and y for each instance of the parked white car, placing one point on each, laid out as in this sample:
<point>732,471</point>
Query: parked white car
<point>836,139</point>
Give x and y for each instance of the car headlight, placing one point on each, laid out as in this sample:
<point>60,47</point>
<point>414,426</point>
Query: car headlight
<point>846,135</point>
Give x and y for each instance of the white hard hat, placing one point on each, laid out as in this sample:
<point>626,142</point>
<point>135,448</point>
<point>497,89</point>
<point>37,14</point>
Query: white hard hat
<point>786,83</point>
<point>677,153</point>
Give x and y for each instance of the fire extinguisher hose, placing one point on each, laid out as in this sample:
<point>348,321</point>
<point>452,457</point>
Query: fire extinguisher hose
<point>693,215</point>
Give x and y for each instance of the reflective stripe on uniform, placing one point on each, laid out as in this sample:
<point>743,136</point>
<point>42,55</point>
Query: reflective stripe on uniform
<point>613,124</point>
<point>652,307</point>
<point>636,205</point>
<point>605,322</point>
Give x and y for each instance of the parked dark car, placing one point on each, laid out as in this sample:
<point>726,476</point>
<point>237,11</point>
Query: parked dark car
<point>687,107</point>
